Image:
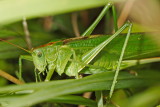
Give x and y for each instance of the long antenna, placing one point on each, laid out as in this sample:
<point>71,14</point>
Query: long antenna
<point>15,45</point>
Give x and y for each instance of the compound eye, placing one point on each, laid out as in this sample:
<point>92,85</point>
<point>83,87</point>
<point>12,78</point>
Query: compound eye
<point>39,54</point>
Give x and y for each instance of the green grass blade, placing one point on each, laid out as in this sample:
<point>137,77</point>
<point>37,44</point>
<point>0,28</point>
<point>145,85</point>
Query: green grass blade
<point>68,99</point>
<point>72,99</point>
<point>95,82</point>
<point>99,98</point>
<point>37,8</point>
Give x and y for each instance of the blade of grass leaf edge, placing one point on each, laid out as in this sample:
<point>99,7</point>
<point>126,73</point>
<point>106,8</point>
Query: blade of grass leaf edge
<point>95,82</point>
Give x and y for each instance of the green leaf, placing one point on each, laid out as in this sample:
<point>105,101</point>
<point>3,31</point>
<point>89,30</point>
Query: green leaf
<point>37,8</point>
<point>72,99</point>
<point>101,81</point>
<point>148,98</point>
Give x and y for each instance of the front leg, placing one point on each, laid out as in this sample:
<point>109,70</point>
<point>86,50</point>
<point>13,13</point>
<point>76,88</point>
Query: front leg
<point>58,60</point>
<point>26,57</point>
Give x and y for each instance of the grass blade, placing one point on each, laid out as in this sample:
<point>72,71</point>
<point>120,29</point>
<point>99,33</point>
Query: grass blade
<point>95,82</point>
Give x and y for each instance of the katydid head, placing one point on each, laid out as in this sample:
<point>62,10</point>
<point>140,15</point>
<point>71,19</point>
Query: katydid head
<point>37,55</point>
<point>39,59</point>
